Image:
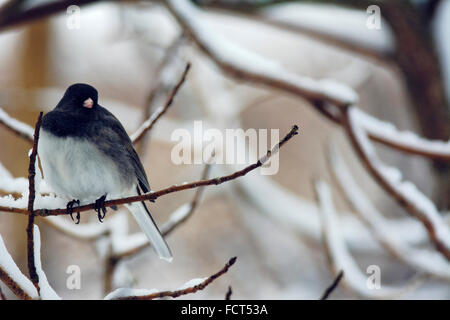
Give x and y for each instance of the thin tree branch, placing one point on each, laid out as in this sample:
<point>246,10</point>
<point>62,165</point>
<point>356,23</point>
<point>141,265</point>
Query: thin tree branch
<point>176,188</point>
<point>31,174</point>
<point>148,124</point>
<point>177,293</point>
<point>333,286</point>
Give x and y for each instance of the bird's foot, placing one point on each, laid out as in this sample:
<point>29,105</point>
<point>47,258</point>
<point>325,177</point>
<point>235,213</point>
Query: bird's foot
<point>100,208</point>
<point>70,206</point>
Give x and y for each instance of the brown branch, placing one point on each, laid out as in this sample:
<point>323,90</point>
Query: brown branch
<point>177,293</point>
<point>147,125</point>
<point>403,201</point>
<point>31,174</point>
<point>156,194</point>
<point>13,286</point>
<point>333,286</point>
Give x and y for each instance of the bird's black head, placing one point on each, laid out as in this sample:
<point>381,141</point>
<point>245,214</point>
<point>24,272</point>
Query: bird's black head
<point>80,95</point>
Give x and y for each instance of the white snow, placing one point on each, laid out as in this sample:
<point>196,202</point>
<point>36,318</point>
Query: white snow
<point>8,265</point>
<point>16,124</point>
<point>229,53</point>
<point>388,132</point>
<point>341,23</point>
<point>340,257</point>
<point>179,214</point>
<point>425,260</point>
<point>127,292</point>
<point>147,123</point>
<point>393,178</point>
<point>192,283</point>
<point>46,291</point>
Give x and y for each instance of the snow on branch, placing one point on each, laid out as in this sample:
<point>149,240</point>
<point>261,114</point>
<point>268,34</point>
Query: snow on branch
<point>341,259</point>
<point>23,130</point>
<point>388,134</point>
<point>13,278</point>
<point>191,286</point>
<point>405,192</point>
<point>421,259</point>
<point>45,290</point>
<point>246,65</point>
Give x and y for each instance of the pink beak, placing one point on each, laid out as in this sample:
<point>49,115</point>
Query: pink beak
<point>89,103</point>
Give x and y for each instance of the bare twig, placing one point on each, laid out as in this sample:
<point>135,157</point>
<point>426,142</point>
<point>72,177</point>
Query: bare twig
<point>333,286</point>
<point>229,293</point>
<point>177,293</point>
<point>31,174</point>
<point>148,124</point>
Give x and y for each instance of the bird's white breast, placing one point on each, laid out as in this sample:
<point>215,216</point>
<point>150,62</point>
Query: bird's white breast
<point>75,168</point>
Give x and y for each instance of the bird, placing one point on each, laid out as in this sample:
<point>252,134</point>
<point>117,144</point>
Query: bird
<point>86,156</point>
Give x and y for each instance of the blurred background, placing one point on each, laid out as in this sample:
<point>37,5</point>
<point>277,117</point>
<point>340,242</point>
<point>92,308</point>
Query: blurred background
<point>133,52</point>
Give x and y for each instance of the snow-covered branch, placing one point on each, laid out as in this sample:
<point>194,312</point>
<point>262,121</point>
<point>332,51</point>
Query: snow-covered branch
<point>192,286</point>
<point>405,192</point>
<point>421,259</point>
<point>23,130</point>
<point>13,278</point>
<point>341,259</point>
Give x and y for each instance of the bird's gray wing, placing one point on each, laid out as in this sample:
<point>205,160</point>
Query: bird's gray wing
<point>112,139</point>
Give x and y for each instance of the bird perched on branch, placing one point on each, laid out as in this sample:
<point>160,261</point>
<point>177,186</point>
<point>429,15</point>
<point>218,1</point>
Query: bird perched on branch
<point>86,156</point>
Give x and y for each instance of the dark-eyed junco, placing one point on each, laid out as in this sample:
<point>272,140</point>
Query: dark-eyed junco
<point>87,155</point>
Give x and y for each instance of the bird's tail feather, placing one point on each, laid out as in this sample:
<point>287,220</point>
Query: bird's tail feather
<point>148,226</point>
